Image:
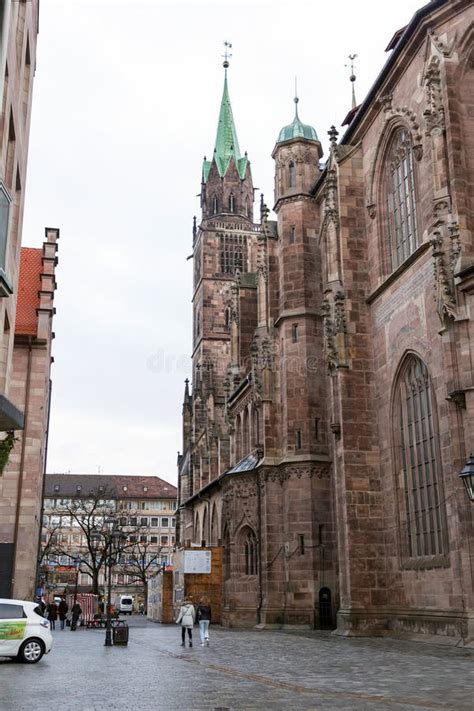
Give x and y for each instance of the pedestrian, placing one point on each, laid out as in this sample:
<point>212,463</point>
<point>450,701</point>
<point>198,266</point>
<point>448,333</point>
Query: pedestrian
<point>203,617</point>
<point>76,612</point>
<point>63,608</point>
<point>52,612</point>
<point>187,618</point>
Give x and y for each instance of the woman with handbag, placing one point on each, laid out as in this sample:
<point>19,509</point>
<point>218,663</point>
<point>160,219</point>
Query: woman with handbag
<point>187,618</point>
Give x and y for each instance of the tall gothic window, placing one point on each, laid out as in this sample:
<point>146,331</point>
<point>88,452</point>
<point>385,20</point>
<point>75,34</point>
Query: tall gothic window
<point>231,203</point>
<point>401,199</point>
<point>233,253</point>
<point>250,553</point>
<point>292,175</point>
<point>215,206</point>
<point>422,515</point>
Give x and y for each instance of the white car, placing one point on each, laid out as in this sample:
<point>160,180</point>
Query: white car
<point>24,633</point>
<point>125,604</point>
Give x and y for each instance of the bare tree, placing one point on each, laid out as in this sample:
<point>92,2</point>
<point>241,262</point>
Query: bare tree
<point>141,563</point>
<point>87,516</point>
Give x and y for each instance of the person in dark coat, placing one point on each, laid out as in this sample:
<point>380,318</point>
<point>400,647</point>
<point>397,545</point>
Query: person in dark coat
<point>76,612</point>
<point>63,608</point>
<point>52,612</point>
<point>203,617</point>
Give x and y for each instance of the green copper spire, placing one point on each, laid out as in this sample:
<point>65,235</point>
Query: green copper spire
<point>227,144</point>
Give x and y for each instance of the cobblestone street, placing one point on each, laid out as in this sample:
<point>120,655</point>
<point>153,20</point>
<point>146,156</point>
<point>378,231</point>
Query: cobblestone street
<point>242,669</point>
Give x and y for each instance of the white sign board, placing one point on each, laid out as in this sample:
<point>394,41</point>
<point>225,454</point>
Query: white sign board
<point>197,561</point>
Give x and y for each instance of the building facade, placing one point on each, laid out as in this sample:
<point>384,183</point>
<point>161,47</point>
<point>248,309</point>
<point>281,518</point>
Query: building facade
<point>145,507</point>
<point>18,34</point>
<point>331,408</point>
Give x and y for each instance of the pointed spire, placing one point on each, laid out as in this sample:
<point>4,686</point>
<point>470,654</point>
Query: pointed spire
<point>187,397</point>
<point>352,78</point>
<point>227,144</point>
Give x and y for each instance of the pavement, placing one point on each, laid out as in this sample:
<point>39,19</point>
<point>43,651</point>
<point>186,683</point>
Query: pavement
<point>241,669</point>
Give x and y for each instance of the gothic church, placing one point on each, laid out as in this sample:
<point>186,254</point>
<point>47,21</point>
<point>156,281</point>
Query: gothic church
<point>332,402</point>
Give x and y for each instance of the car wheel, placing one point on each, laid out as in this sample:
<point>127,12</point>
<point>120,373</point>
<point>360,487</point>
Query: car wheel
<point>31,651</point>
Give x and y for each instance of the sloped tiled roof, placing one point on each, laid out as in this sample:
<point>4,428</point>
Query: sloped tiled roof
<point>29,285</point>
<point>137,487</point>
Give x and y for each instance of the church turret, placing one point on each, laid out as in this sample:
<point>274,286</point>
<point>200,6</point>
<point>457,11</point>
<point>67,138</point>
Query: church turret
<point>226,186</point>
<point>297,153</point>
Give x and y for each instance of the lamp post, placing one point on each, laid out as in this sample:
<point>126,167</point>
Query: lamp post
<point>77,565</point>
<point>467,476</point>
<point>111,538</point>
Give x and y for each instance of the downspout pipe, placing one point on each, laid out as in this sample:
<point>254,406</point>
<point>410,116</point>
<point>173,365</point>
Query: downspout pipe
<point>260,565</point>
<point>22,464</point>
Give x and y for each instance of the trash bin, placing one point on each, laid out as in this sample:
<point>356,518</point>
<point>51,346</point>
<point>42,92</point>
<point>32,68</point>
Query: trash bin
<point>120,633</point>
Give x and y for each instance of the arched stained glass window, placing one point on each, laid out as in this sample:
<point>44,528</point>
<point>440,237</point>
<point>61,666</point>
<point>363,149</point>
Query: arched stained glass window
<point>423,513</point>
<point>401,199</point>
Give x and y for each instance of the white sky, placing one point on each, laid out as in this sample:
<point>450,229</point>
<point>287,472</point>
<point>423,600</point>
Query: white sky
<point>125,106</point>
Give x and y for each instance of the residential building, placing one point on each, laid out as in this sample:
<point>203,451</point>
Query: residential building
<point>18,34</point>
<point>332,401</point>
<point>144,507</point>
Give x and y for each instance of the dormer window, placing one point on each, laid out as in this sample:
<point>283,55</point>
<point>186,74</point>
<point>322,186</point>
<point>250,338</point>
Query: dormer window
<point>145,489</point>
<point>101,489</point>
<point>124,488</point>
<point>292,175</point>
<point>56,488</point>
<point>78,489</point>
<point>231,203</point>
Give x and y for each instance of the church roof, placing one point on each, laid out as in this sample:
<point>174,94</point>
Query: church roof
<point>297,129</point>
<point>227,144</point>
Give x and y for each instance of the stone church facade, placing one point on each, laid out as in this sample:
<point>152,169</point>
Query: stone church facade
<point>332,403</point>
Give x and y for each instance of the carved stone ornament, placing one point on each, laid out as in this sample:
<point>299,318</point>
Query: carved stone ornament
<point>262,268</point>
<point>444,48</point>
<point>410,119</point>
<point>434,112</point>
<point>330,349</point>
<point>371,209</point>
<point>443,274</point>
<point>330,197</point>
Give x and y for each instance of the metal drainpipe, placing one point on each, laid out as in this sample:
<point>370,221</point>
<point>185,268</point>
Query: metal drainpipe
<point>260,569</point>
<point>22,465</point>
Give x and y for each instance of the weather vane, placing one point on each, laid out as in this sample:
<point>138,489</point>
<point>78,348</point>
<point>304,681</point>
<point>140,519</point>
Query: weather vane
<point>226,54</point>
<point>352,78</point>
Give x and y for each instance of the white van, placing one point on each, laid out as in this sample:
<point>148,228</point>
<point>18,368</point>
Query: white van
<point>125,605</point>
<point>24,633</point>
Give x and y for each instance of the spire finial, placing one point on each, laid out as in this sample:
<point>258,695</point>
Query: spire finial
<point>226,54</point>
<point>352,77</point>
<point>296,98</point>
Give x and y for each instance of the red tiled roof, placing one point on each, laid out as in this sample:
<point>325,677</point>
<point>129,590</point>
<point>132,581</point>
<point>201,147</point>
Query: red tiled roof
<point>29,285</point>
<point>127,487</point>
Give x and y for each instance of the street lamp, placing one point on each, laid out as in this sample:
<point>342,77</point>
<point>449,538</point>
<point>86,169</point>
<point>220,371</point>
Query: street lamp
<point>467,476</point>
<point>77,565</point>
<point>112,539</point>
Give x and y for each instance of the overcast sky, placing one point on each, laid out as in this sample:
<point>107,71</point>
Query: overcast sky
<point>125,106</point>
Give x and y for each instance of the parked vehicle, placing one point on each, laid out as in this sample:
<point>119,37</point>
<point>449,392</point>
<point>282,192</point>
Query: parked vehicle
<point>125,605</point>
<point>24,633</point>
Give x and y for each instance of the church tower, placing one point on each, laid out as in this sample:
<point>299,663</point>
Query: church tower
<point>297,153</point>
<point>224,245</point>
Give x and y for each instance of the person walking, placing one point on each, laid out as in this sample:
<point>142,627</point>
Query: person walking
<point>203,617</point>
<point>63,608</point>
<point>187,618</point>
<point>76,612</point>
<point>52,611</point>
